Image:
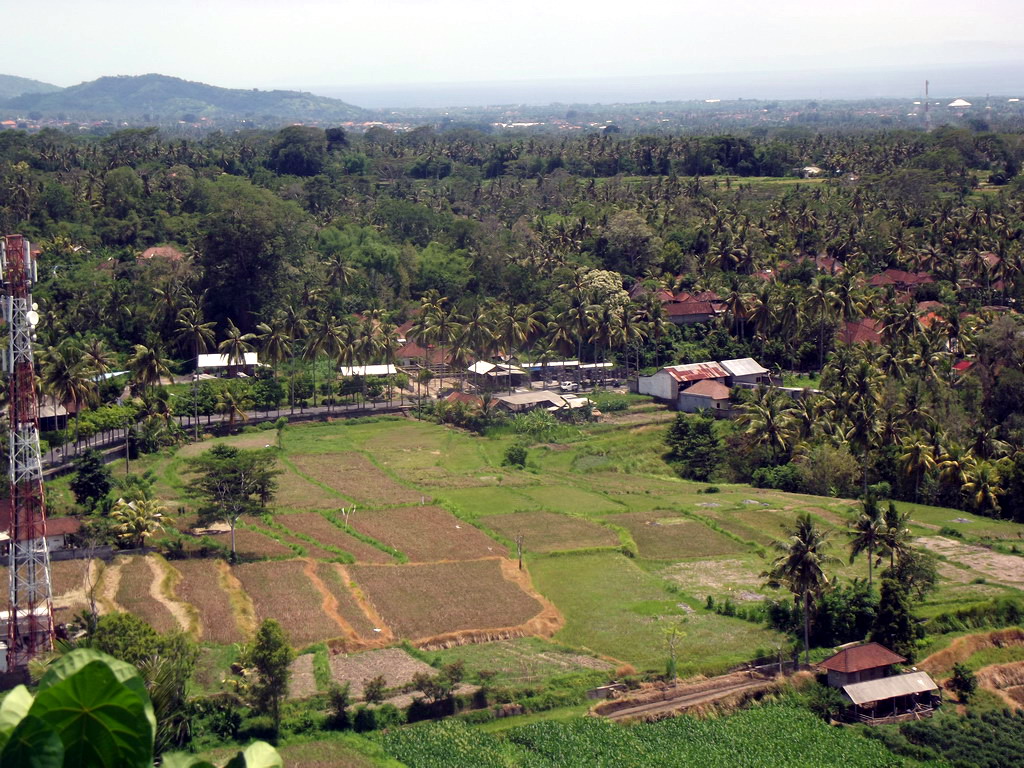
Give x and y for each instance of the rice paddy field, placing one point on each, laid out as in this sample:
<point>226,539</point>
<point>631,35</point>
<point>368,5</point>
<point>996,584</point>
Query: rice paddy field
<point>391,530</point>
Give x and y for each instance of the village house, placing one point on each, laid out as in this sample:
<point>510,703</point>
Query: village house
<point>707,395</point>
<point>60,531</point>
<point>867,330</point>
<point>876,694</point>
<point>219,364</point>
<point>900,279</point>
<point>703,386</point>
<point>666,383</point>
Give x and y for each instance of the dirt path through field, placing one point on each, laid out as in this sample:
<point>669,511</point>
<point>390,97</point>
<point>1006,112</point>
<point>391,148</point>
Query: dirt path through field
<point>156,591</point>
<point>108,587</point>
<point>385,636</point>
<point>1000,568</point>
<point>684,697</point>
<point>330,602</point>
<point>241,603</point>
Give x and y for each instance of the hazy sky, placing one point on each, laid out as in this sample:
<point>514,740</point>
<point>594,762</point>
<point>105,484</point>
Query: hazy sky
<point>309,43</point>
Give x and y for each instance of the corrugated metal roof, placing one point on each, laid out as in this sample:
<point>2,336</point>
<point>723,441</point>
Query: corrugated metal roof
<point>696,371</point>
<point>889,687</point>
<point>481,367</point>
<point>743,366</point>
<point>367,370</point>
<point>525,398</point>
<point>221,361</point>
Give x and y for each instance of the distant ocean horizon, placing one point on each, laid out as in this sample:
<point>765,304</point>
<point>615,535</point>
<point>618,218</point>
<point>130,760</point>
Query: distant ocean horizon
<point>1004,79</point>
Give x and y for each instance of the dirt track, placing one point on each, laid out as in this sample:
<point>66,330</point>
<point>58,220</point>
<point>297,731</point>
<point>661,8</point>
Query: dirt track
<point>688,697</point>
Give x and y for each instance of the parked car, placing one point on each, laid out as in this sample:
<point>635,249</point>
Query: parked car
<point>569,386</point>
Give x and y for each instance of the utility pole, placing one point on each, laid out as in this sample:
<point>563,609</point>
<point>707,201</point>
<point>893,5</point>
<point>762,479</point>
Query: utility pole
<point>30,608</point>
<point>519,550</point>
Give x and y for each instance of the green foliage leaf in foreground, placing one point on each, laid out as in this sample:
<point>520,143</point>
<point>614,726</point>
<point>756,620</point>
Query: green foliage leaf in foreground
<point>93,710</point>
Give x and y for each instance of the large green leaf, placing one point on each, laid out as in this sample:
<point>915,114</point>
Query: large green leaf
<point>70,663</point>
<point>259,754</point>
<point>12,709</point>
<point>184,760</point>
<point>101,721</point>
<point>34,744</point>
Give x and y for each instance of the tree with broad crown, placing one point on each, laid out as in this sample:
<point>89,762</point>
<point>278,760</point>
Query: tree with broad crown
<point>233,482</point>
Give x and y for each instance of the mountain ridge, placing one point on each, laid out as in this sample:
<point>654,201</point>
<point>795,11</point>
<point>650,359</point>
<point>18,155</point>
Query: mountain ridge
<point>12,86</point>
<point>163,98</point>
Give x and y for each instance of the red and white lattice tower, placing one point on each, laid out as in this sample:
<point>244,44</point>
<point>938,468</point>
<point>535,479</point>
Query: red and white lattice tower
<point>30,612</point>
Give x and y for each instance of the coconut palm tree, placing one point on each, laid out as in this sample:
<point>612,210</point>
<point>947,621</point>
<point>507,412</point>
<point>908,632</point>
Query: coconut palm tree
<point>896,536</point>
<point>192,333</point>
<point>799,568</point>
<point>868,533</point>
<point>769,421</point>
<point>916,460</point>
<point>235,345</point>
<point>65,375</point>
<point>138,520</point>
<point>983,488</point>
<point>147,367</point>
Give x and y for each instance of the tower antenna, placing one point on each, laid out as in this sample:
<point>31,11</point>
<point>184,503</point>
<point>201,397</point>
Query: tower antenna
<point>927,107</point>
<point>30,609</point>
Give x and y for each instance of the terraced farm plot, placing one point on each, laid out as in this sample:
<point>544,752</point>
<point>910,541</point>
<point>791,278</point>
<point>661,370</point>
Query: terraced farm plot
<point>425,534</point>
<point>565,498</point>
<point>548,532</point>
<point>738,578</point>
<point>286,537</point>
<point>252,545</point>
<point>420,601</point>
<point>245,441</point>
<point>294,492</point>
<point>492,500</point>
<point>356,477</point>
<point>523,660</point>
<point>283,591</point>
<point>661,535</point>
<point>135,593</point>
<point>348,607</point>
<point>326,532</point>
<point>767,524</point>
<point>201,587</point>
<point>397,667</point>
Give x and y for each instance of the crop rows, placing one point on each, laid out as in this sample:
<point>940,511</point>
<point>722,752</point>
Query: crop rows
<point>765,737</point>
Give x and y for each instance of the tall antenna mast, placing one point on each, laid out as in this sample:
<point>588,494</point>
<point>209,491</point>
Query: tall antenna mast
<point>927,107</point>
<point>30,613</point>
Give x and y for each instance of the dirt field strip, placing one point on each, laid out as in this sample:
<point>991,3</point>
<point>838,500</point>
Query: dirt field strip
<point>108,586</point>
<point>1004,680</point>
<point>330,604</point>
<point>241,603</point>
<point>940,663</point>
<point>302,684</point>
<point>164,575</point>
<point>385,636</point>
<point>91,572</point>
<point>676,699</point>
<point>1000,568</point>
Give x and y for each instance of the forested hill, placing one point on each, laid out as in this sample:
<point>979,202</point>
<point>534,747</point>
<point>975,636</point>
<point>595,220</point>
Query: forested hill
<point>159,98</point>
<point>11,86</point>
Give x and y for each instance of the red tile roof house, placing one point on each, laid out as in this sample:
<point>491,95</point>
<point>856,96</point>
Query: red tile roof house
<point>690,312</point>
<point>900,280</point>
<point>864,331</point>
<point>864,673</point>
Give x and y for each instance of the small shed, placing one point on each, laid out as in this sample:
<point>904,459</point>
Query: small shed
<point>522,402</point>
<point>666,383</point>
<point>888,699</point>
<point>367,370</point>
<point>746,370</point>
<point>707,395</point>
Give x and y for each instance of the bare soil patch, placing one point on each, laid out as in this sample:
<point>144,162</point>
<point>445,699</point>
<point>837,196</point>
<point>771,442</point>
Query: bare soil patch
<point>356,477</point>
<point>425,534</point>
<point>282,591</point>
<point>302,683</point>
<point>549,532</point>
<point>334,580</point>
<point>246,441</point>
<point>201,586</point>
<point>664,535</point>
<point>252,544</point>
<point>421,601</point>
<point>294,492</point>
<point>941,662</point>
<point>397,667</point>
<point>1004,569</point>
<point>715,575</point>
